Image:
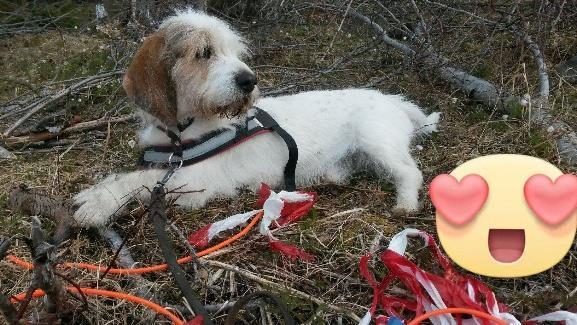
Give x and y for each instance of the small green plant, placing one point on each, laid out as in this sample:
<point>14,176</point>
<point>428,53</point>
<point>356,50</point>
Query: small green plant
<point>542,146</point>
<point>514,108</point>
<point>478,115</point>
<point>482,71</point>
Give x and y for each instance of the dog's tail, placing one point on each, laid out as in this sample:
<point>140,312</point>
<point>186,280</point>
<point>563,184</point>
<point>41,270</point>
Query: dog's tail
<point>424,124</point>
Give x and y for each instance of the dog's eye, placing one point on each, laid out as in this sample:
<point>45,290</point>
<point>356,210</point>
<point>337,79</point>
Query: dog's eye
<point>205,54</point>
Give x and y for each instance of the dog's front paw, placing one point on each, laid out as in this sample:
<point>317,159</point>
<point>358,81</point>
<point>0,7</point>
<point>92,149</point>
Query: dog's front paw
<point>96,206</point>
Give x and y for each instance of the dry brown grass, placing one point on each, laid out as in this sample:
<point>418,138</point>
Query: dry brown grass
<point>290,54</point>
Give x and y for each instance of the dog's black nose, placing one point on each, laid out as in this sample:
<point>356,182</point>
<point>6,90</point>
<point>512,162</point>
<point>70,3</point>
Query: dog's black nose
<point>246,81</point>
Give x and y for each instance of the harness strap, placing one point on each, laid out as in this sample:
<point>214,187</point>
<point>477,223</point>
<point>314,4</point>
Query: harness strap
<point>175,137</point>
<point>189,153</point>
<point>290,167</point>
<point>186,123</point>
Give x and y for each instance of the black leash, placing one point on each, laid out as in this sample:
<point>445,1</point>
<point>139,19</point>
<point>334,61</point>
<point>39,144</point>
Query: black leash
<point>157,215</point>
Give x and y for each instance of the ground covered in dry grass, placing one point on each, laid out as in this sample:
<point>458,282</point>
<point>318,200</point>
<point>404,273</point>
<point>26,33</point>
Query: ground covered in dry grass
<point>303,50</point>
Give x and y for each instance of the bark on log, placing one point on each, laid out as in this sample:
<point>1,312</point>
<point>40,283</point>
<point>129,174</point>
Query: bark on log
<point>57,209</point>
<point>483,90</point>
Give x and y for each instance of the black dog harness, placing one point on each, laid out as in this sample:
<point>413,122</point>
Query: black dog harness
<point>191,152</point>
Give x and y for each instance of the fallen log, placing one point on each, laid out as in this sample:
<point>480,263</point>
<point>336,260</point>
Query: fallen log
<point>480,89</point>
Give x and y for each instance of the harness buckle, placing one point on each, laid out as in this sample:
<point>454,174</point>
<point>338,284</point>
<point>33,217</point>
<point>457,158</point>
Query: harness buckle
<point>180,161</point>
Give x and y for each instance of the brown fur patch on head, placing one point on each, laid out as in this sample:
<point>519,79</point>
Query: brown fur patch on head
<point>184,71</point>
<point>191,52</point>
<point>148,83</point>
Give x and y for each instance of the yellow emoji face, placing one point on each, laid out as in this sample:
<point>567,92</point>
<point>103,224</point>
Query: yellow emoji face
<point>506,215</point>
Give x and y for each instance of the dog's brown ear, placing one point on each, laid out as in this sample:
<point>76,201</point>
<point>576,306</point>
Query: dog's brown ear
<point>147,81</point>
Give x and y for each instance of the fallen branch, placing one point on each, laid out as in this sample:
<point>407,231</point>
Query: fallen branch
<point>251,276</point>
<point>43,277</point>
<point>37,106</point>
<point>123,258</point>
<point>76,128</point>
<point>142,287</point>
<point>520,35</point>
<point>483,90</point>
<point>60,211</point>
<point>5,154</point>
<point>7,309</point>
<point>565,136</point>
<point>479,89</point>
<point>34,204</point>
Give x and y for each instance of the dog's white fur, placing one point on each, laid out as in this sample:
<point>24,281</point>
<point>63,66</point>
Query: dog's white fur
<point>337,133</point>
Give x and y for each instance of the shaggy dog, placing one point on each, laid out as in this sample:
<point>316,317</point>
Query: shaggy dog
<point>192,68</point>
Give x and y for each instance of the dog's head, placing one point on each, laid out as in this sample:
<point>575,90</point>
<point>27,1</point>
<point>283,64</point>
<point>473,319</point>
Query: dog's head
<point>191,67</point>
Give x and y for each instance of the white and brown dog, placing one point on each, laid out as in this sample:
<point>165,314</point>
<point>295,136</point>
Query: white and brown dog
<point>192,68</point>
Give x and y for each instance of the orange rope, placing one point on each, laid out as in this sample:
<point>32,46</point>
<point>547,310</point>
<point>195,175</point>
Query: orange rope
<point>111,294</point>
<point>146,269</point>
<point>153,268</point>
<point>160,267</point>
<point>472,312</point>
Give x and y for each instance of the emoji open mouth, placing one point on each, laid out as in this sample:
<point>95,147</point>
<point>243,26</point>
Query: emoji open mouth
<point>506,245</point>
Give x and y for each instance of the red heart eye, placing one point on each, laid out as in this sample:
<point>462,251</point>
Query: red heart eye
<point>552,202</point>
<point>458,202</point>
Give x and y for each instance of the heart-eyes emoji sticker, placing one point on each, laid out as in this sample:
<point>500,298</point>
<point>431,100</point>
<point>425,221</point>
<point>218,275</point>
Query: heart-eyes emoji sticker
<point>505,215</point>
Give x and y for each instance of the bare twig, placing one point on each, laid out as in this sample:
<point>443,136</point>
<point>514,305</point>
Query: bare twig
<point>482,89</point>
<point>195,260</point>
<point>558,18</point>
<point>83,298</point>
<point>401,26</point>
<point>444,6</point>
<point>76,128</point>
<point>44,257</point>
<point>36,107</point>
<point>425,32</point>
<point>251,276</point>
<point>377,28</point>
<point>340,27</point>
<point>8,310</point>
<point>122,255</point>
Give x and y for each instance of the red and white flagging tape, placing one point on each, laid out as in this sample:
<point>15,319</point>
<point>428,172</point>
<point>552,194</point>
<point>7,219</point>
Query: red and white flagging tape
<point>279,209</point>
<point>432,292</point>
